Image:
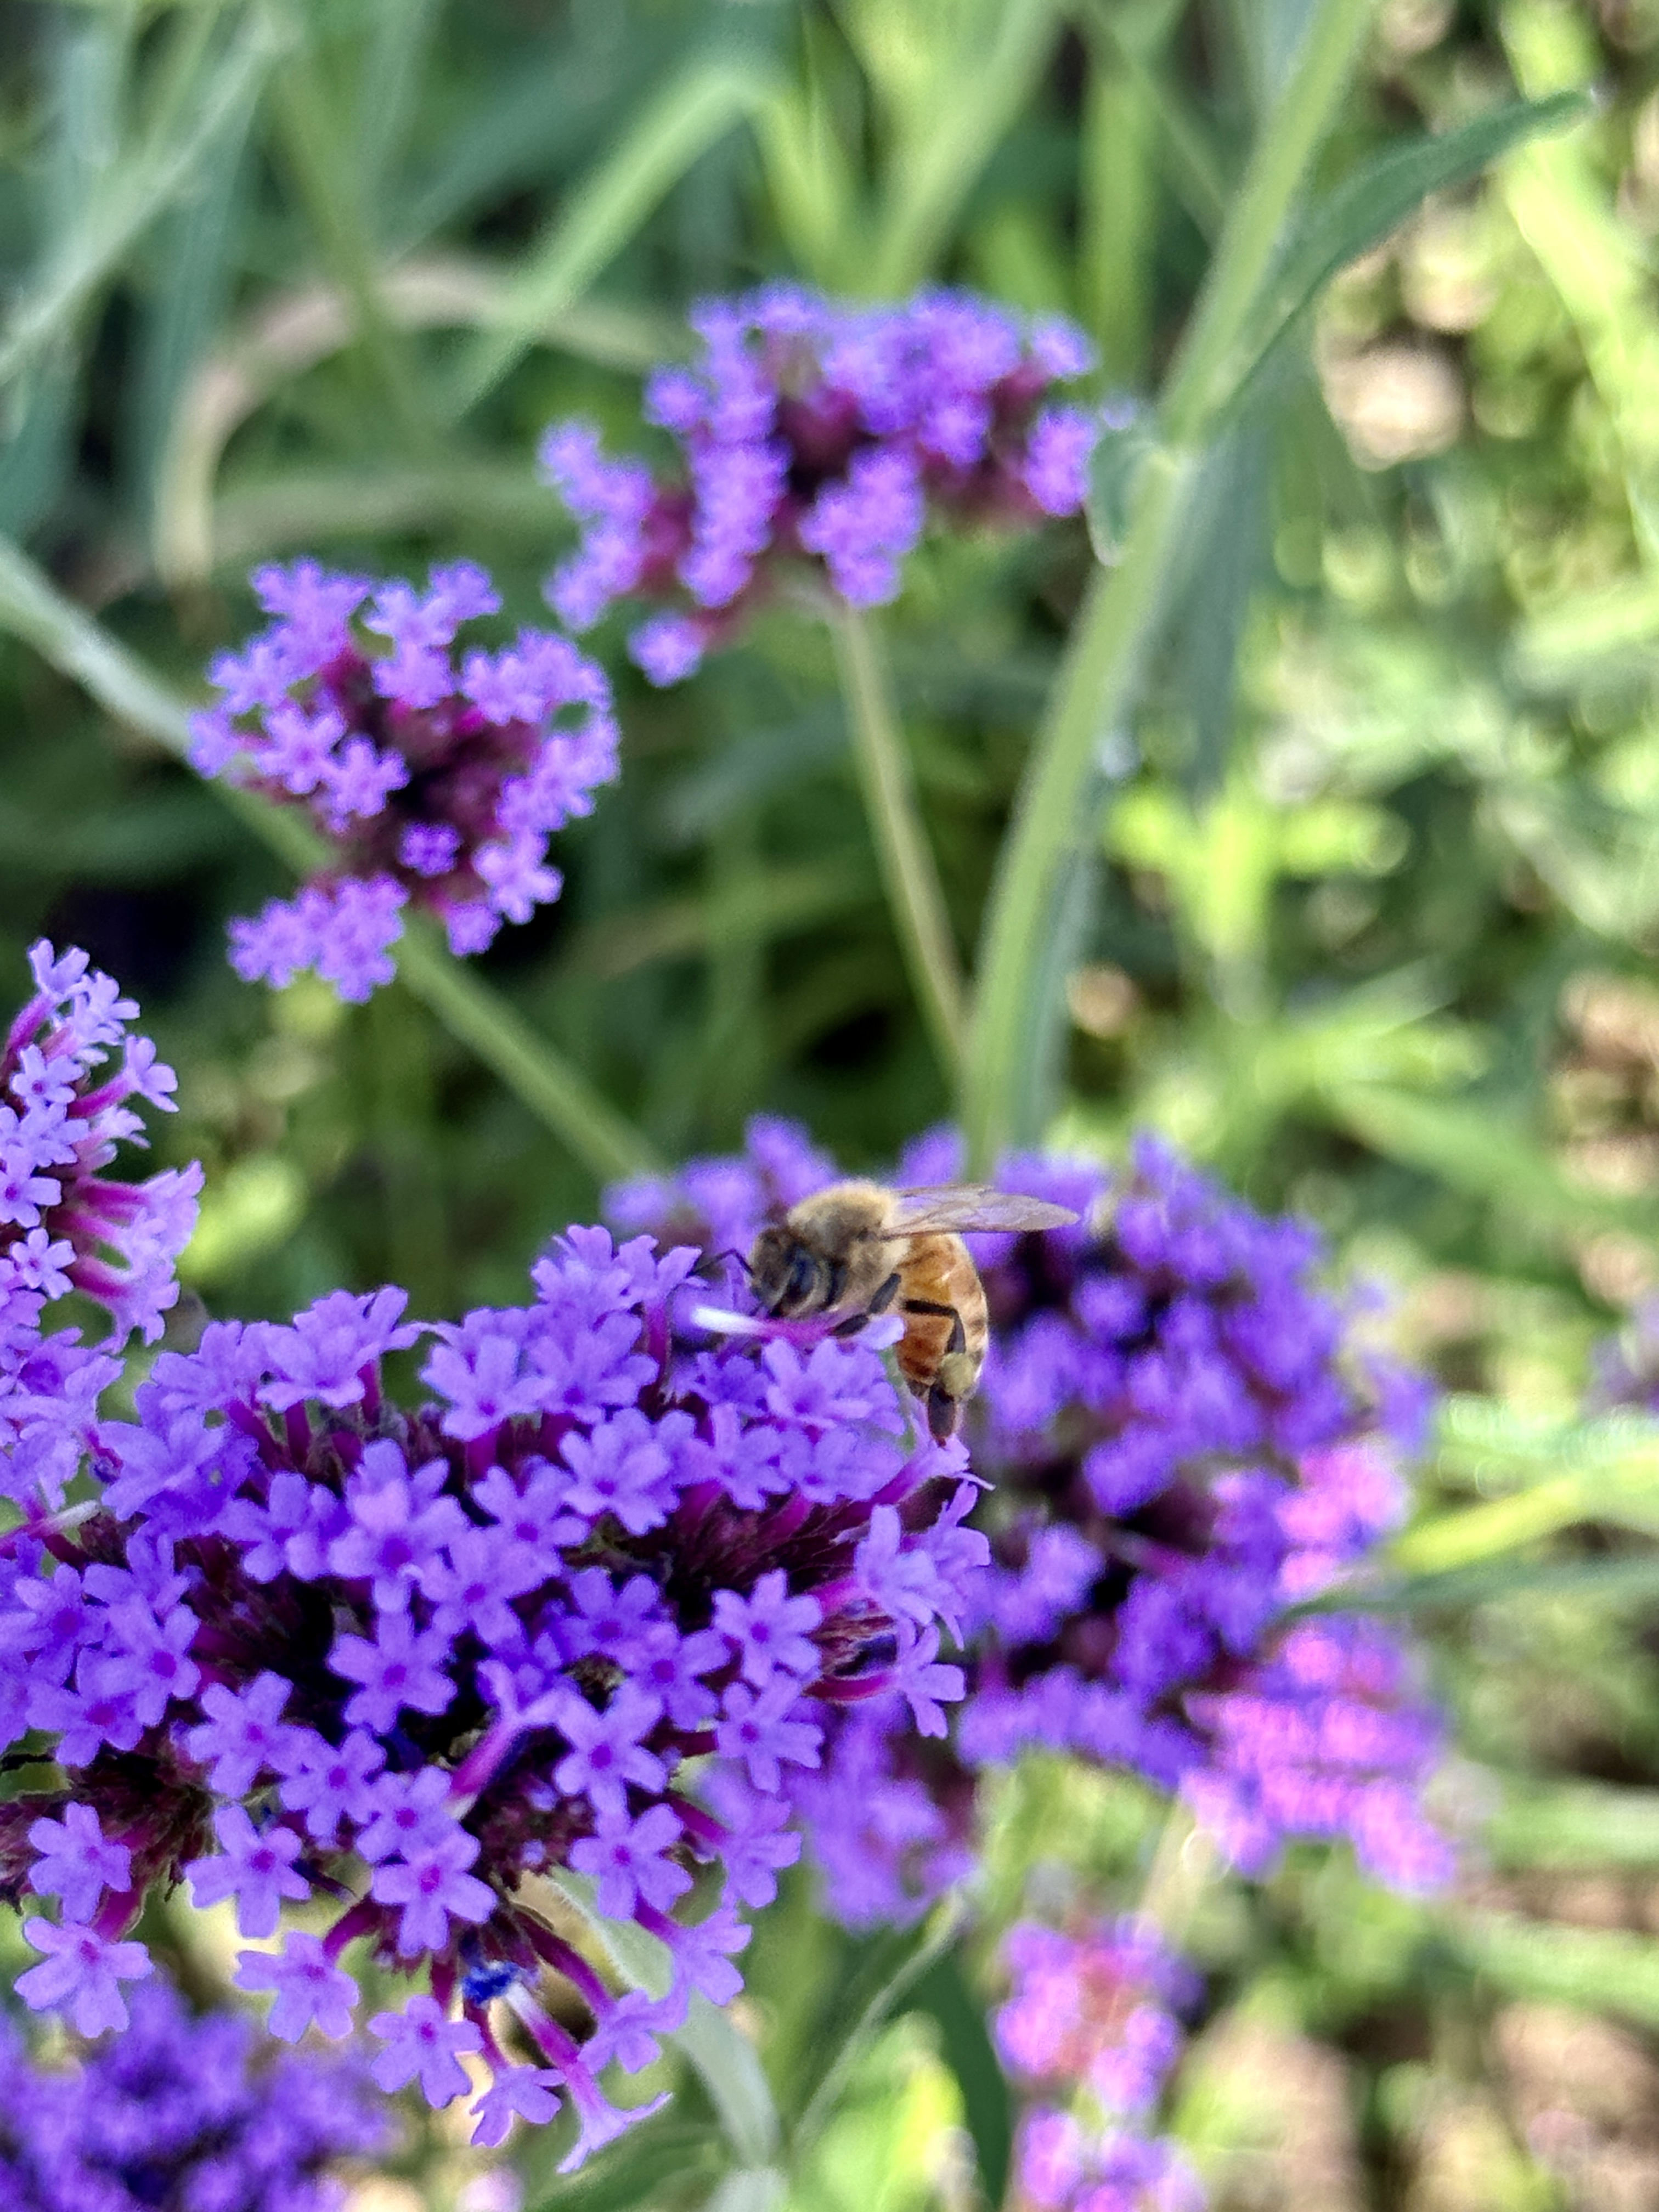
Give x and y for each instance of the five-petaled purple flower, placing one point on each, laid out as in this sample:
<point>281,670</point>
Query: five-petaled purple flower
<point>817,435</point>
<point>436,778</point>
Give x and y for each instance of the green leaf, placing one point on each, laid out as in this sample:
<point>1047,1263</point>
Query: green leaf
<point>1574,1824</point>
<point>1477,1149</point>
<point>943,1993</point>
<point>1375,199</point>
<point>897,1964</point>
<point>1600,1969</point>
<point>652,2159</point>
<point>1605,1581</point>
<point>689,116</point>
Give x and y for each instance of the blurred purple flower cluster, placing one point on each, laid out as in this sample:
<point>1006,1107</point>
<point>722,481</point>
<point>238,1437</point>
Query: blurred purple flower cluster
<point>1090,2031</point>
<point>1177,1447</point>
<point>70,1078</point>
<point>434,778</point>
<point>821,435</point>
<point>178,2115</point>
<point>305,1645</point>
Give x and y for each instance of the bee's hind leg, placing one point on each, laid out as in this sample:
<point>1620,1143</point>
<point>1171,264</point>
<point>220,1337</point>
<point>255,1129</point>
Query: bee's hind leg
<point>943,1411</point>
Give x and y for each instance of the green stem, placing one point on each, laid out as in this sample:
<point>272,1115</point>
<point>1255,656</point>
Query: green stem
<point>1117,624</point>
<point>34,610</point>
<point>908,873</point>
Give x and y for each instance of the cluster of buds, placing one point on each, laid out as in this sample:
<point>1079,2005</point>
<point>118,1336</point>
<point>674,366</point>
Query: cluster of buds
<point>72,1076</point>
<point>1176,1450</point>
<point>1091,2031</point>
<point>816,438</point>
<point>184,2113</point>
<point>433,781</point>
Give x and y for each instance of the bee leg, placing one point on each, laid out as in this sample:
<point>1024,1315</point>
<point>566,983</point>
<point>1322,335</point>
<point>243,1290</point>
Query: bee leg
<point>885,1294</point>
<point>942,1412</point>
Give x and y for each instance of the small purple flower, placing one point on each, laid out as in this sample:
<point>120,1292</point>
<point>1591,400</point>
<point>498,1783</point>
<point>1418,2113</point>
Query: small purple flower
<point>763,1730</point>
<point>437,785</point>
<point>242,1734</point>
<point>329,1782</point>
<point>770,1629</point>
<point>626,1858</point>
<point>526,2092</point>
<point>310,1990</point>
<point>80,1974</point>
<point>403,1666</point>
<point>433,1888</point>
<point>255,1866</point>
<point>606,1752</point>
<point>70,1076</point>
<point>421,2041</point>
<point>78,1863</point>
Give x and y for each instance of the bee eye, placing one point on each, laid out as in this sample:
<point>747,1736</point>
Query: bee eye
<point>801,1281</point>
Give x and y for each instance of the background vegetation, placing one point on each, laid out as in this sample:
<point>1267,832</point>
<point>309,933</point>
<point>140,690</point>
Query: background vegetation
<point>1362,908</point>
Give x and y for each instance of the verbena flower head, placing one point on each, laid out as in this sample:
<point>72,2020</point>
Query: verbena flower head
<point>437,775</point>
<point>182,2114</point>
<point>822,436</point>
<point>1177,1447</point>
<point>1089,2032</point>
<point>72,1076</point>
<point>373,1674</point>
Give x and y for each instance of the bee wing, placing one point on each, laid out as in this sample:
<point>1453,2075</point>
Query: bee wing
<point>966,1207</point>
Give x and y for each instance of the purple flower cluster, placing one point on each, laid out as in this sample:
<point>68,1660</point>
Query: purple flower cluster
<point>70,1077</point>
<point>1177,1451</point>
<point>177,2115</point>
<point>1090,2031</point>
<point>434,778</point>
<point>310,1650</point>
<point>821,435</point>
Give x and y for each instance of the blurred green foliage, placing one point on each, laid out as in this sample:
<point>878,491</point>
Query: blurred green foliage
<point>1367,895</point>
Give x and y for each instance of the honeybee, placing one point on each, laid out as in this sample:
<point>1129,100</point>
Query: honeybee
<point>865,1248</point>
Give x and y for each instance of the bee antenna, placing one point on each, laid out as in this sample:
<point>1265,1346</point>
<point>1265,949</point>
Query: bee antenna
<point>713,1259</point>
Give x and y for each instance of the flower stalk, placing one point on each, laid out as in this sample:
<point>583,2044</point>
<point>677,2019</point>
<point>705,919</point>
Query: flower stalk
<point>908,875</point>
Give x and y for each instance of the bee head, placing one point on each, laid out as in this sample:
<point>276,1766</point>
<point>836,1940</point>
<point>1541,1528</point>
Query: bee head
<point>788,1277</point>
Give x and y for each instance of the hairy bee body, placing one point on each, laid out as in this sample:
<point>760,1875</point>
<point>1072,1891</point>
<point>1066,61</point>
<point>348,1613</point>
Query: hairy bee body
<point>860,1249</point>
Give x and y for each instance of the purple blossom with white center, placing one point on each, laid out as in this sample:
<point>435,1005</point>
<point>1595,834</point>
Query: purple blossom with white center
<point>1089,2028</point>
<point>71,1075</point>
<point>820,436</point>
<point>1180,1446</point>
<point>184,2112</point>
<point>437,773</point>
<point>309,1648</point>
